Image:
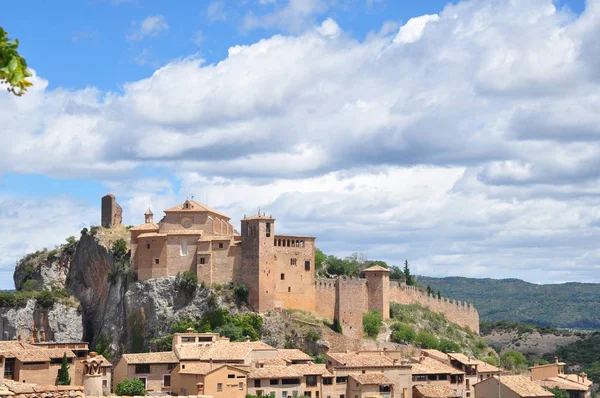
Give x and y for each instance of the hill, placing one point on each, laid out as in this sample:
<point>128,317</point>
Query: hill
<point>566,305</point>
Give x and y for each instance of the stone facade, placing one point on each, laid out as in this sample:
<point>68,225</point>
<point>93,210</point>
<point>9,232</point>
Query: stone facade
<point>277,269</point>
<point>112,213</point>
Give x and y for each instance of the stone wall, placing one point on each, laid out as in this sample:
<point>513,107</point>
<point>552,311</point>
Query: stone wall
<point>293,273</point>
<point>463,314</point>
<point>351,304</point>
<point>112,213</point>
<point>325,297</point>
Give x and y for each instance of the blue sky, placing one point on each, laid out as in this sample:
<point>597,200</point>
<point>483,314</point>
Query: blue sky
<point>425,130</point>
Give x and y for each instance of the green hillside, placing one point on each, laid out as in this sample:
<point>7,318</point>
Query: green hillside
<point>567,305</point>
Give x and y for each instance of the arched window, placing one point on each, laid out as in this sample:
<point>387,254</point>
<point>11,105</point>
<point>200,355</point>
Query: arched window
<point>184,250</point>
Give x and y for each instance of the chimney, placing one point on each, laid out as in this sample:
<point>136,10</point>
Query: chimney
<point>247,339</point>
<point>556,360</point>
<point>583,376</point>
<point>190,330</point>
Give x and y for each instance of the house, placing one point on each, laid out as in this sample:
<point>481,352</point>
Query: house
<point>475,370</point>
<point>370,385</point>
<point>553,375</point>
<point>286,380</point>
<point>514,386</point>
<point>430,372</point>
<point>215,380</point>
<point>434,391</point>
<point>153,368</point>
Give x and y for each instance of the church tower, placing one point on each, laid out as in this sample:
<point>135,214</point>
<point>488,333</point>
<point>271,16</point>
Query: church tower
<point>258,261</point>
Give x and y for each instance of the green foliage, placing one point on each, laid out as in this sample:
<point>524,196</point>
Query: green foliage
<point>188,282</point>
<point>439,295</point>
<point>241,292</point>
<point>337,326</point>
<point>558,393</point>
<point>320,258</point>
<point>449,346</point>
<point>31,285</point>
<point>137,327</point>
<point>426,340</point>
<point>45,299</point>
<point>338,266</point>
<point>407,275</point>
<point>488,327</point>
<point>52,254</point>
<point>164,343</point>
<point>236,327</point>
<point>84,231</point>
<point>314,335</point>
<point>491,361</point>
<point>396,273</point>
<point>513,360</point>
<point>7,300</point>
<point>429,291</point>
<point>119,248</point>
<point>13,67</point>
<point>584,353</point>
<point>130,388</point>
<point>372,323</point>
<point>319,359</point>
<point>63,373</point>
<point>403,333</point>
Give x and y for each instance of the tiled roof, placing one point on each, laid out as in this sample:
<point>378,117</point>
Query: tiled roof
<point>259,217</point>
<point>354,359</point>
<point>431,366</point>
<point>274,372</point>
<point>185,232</point>
<point>563,384</point>
<point>220,351</point>
<point>312,369</point>
<point>194,208</point>
<point>548,365</point>
<point>270,362</point>
<point>377,268</point>
<point>522,386</point>
<point>151,235</point>
<point>482,367</point>
<point>14,345</point>
<point>436,391</point>
<point>371,378</point>
<point>151,357</point>
<point>145,227</point>
<point>29,355</point>
<point>105,362</point>
<point>436,354</point>
<point>59,352</point>
<point>202,368</point>
<point>578,379</point>
<point>293,355</point>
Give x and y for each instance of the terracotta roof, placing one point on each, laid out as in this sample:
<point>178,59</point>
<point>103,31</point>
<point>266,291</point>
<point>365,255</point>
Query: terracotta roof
<point>431,366</point>
<point>194,207</point>
<point>354,359</point>
<point>151,235</point>
<point>436,354</point>
<point>548,365</point>
<point>203,368</point>
<point>371,378</point>
<point>482,367</point>
<point>207,238</point>
<point>59,352</point>
<point>151,357</point>
<point>577,379</point>
<point>185,232</point>
<point>145,227</point>
<point>563,384</point>
<point>220,350</point>
<point>312,369</point>
<point>293,355</point>
<point>14,345</point>
<point>270,362</point>
<point>274,372</point>
<point>521,385</point>
<point>436,391</point>
<point>377,268</point>
<point>105,362</point>
<point>30,355</point>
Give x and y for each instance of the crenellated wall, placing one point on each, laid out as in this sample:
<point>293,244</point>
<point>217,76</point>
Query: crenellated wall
<point>461,313</point>
<point>351,304</point>
<point>325,297</point>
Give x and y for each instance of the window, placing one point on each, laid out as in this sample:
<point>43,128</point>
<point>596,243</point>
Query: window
<point>419,378</point>
<point>284,394</point>
<point>282,277</point>
<point>311,380</point>
<point>219,386</point>
<point>9,368</point>
<point>184,250</point>
<point>327,381</point>
<point>166,381</point>
<point>142,368</point>
<point>268,229</point>
<point>187,224</point>
<point>202,260</point>
<point>341,379</point>
<point>156,260</point>
<point>241,385</point>
<point>147,245</point>
<point>307,265</point>
<point>104,371</point>
<point>274,382</point>
<point>230,376</point>
<point>289,289</point>
<point>290,381</point>
<point>257,383</point>
<point>292,261</point>
<point>104,383</point>
<point>220,245</point>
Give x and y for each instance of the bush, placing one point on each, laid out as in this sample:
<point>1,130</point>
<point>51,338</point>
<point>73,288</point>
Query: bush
<point>119,248</point>
<point>130,388</point>
<point>427,340</point>
<point>449,346</point>
<point>45,299</point>
<point>403,333</point>
<point>188,282</point>
<point>7,300</point>
<point>319,359</point>
<point>31,285</point>
<point>513,360</point>
<point>558,393</point>
<point>372,323</point>
<point>241,292</point>
<point>337,326</point>
<point>313,335</point>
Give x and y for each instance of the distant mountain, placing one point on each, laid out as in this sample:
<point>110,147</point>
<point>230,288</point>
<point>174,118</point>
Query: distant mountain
<point>567,305</point>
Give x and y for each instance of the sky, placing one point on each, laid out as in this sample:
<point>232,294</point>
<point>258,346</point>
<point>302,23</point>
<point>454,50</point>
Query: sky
<point>462,136</point>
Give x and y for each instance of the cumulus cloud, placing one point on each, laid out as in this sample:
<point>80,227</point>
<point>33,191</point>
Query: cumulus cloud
<point>466,142</point>
<point>150,27</point>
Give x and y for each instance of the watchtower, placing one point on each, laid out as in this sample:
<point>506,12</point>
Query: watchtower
<point>378,288</point>
<point>258,261</point>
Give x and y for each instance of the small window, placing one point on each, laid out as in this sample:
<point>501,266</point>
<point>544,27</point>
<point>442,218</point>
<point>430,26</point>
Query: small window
<point>184,250</point>
<point>289,289</point>
<point>156,260</point>
<point>231,376</point>
<point>202,260</point>
<point>187,224</point>
<point>307,265</point>
<point>220,245</point>
<point>147,245</point>
<point>274,382</point>
<point>282,277</point>
<point>219,386</point>
<point>311,380</point>
<point>268,229</point>
<point>104,383</point>
<point>142,368</point>
<point>241,385</point>
<point>104,371</point>
<point>166,381</point>
<point>257,383</point>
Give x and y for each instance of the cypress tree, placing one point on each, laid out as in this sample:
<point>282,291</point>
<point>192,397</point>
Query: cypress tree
<point>63,374</point>
<point>407,275</point>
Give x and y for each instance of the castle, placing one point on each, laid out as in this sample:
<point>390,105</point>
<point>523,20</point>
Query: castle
<point>278,270</point>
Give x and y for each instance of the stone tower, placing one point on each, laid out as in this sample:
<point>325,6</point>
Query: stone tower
<point>112,214</point>
<point>258,261</point>
<point>378,288</point>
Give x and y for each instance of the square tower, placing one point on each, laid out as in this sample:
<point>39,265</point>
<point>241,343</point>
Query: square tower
<point>378,288</point>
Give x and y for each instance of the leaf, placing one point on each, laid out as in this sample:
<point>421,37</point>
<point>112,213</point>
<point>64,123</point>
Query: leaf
<point>13,64</point>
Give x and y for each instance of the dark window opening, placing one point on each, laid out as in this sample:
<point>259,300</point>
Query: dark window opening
<point>147,245</point>
<point>142,368</point>
<point>341,379</point>
<point>289,289</point>
<point>202,260</point>
<point>156,261</point>
<point>220,245</point>
<point>9,368</point>
<point>231,376</point>
<point>290,381</point>
<point>385,389</point>
<point>307,265</point>
<point>327,381</point>
<point>274,382</point>
<point>282,277</point>
<point>311,380</point>
<point>268,229</point>
<point>257,383</point>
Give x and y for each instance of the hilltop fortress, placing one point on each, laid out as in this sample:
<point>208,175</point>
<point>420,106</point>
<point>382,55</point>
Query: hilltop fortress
<point>278,270</point>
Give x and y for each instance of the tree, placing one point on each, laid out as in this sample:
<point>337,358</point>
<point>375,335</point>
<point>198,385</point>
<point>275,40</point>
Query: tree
<point>320,258</point>
<point>130,388</point>
<point>396,273</point>
<point>63,373</point>
<point>407,275</point>
<point>403,333</point>
<point>439,295</point>
<point>13,67</point>
<point>429,291</point>
<point>372,323</point>
<point>119,248</point>
<point>427,340</point>
<point>512,360</point>
<point>449,346</point>
<point>188,282</point>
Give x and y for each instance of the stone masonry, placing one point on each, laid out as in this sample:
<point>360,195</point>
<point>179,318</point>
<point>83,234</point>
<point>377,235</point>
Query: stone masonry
<point>112,213</point>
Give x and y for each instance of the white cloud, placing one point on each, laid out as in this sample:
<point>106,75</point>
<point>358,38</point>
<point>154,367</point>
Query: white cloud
<point>152,26</point>
<point>472,150</point>
<point>295,16</point>
<point>216,11</point>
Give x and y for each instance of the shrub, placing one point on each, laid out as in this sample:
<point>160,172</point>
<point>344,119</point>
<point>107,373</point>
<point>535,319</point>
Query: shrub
<point>337,326</point>
<point>558,393</point>
<point>164,343</point>
<point>45,299</point>
<point>512,360</point>
<point>427,340</point>
<point>119,248</point>
<point>84,231</point>
<point>52,254</point>
<point>188,282</point>
<point>7,300</point>
<point>130,388</point>
<point>449,346</point>
<point>241,292</point>
<point>403,333</point>
<point>372,323</point>
<point>31,285</point>
<point>313,335</point>
<point>319,359</point>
